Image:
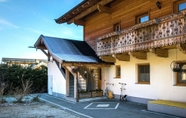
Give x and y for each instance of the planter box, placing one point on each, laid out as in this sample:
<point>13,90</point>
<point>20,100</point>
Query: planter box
<point>97,93</point>
<point>90,94</point>
<point>85,95</point>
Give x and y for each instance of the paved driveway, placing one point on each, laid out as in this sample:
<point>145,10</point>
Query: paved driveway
<point>104,108</point>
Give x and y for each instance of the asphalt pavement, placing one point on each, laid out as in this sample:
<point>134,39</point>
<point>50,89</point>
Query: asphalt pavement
<point>104,108</point>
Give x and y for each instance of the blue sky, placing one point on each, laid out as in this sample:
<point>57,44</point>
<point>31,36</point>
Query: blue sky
<point>23,21</point>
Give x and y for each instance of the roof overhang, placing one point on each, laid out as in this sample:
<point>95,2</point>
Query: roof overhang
<point>86,7</point>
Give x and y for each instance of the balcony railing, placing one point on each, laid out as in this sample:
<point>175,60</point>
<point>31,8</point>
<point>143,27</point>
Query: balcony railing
<point>156,33</point>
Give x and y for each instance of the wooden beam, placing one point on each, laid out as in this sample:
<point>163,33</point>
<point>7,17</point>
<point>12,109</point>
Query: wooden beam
<point>65,64</point>
<point>182,48</point>
<point>103,9</point>
<point>108,58</point>
<point>67,81</point>
<point>160,52</point>
<point>139,55</point>
<point>123,57</point>
<point>79,22</point>
<point>41,47</point>
<point>89,10</point>
<point>46,53</point>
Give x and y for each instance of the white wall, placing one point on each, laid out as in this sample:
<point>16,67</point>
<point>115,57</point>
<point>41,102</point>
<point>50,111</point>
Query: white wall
<point>59,82</point>
<point>162,79</point>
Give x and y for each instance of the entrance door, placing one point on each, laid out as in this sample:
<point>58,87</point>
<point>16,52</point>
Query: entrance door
<point>50,84</point>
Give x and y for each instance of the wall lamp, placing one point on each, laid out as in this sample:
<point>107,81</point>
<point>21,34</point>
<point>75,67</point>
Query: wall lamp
<point>158,4</point>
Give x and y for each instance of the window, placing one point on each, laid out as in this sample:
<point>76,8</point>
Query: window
<point>118,71</point>
<point>116,27</point>
<point>142,18</point>
<point>181,6</point>
<point>181,79</point>
<point>144,74</point>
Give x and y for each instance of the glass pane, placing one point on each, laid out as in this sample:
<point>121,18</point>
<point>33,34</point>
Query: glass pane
<point>182,6</point>
<point>144,19</point>
<point>118,71</point>
<point>144,73</point>
<point>181,77</point>
<point>147,69</point>
<point>144,77</point>
<point>144,68</point>
<point>141,69</point>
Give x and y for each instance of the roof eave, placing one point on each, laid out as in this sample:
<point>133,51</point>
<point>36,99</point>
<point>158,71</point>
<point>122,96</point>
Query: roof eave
<point>60,19</point>
<point>38,41</point>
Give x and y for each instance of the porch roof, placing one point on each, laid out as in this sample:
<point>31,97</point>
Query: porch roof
<point>66,50</point>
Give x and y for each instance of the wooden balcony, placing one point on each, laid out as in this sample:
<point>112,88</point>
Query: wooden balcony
<point>156,36</point>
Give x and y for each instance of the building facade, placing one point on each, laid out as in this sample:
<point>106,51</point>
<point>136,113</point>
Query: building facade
<point>146,41</point>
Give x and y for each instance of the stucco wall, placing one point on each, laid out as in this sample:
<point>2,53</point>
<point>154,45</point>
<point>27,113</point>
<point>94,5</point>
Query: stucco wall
<point>59,82</point>
<point>162,79</point>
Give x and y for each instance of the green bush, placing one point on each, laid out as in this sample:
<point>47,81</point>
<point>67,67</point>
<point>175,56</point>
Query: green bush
<point>14,75</point>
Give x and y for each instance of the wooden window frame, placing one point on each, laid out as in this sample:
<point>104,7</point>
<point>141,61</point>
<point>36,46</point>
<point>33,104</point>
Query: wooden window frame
<point>175,5</point>
<point>140,16</point>
<point>177,78</point>
<point>116,68</point>
<point>140,82</point>
<point>115,27</point>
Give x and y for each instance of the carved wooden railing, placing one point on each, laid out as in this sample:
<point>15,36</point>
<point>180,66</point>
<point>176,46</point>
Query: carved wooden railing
<point>156,33</point>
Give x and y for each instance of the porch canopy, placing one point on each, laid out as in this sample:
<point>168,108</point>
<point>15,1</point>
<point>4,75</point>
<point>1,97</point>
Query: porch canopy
<point>67,51</point>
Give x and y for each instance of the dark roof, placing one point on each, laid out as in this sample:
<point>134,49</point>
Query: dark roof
<point>68,50</point>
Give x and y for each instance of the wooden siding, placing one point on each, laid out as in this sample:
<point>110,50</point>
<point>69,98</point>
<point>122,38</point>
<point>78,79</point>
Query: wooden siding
<point>125,12</point>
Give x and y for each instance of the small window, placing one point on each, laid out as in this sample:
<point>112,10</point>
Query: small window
<point>142,18</point>
<point>181,77</point>
<point>116,27</point>
<point>181,6</point>
<point>118,71</point>
<point>144,74</point>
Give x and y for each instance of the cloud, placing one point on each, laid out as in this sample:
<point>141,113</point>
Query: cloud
<point>3,0</point>
<point>6,23</point>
